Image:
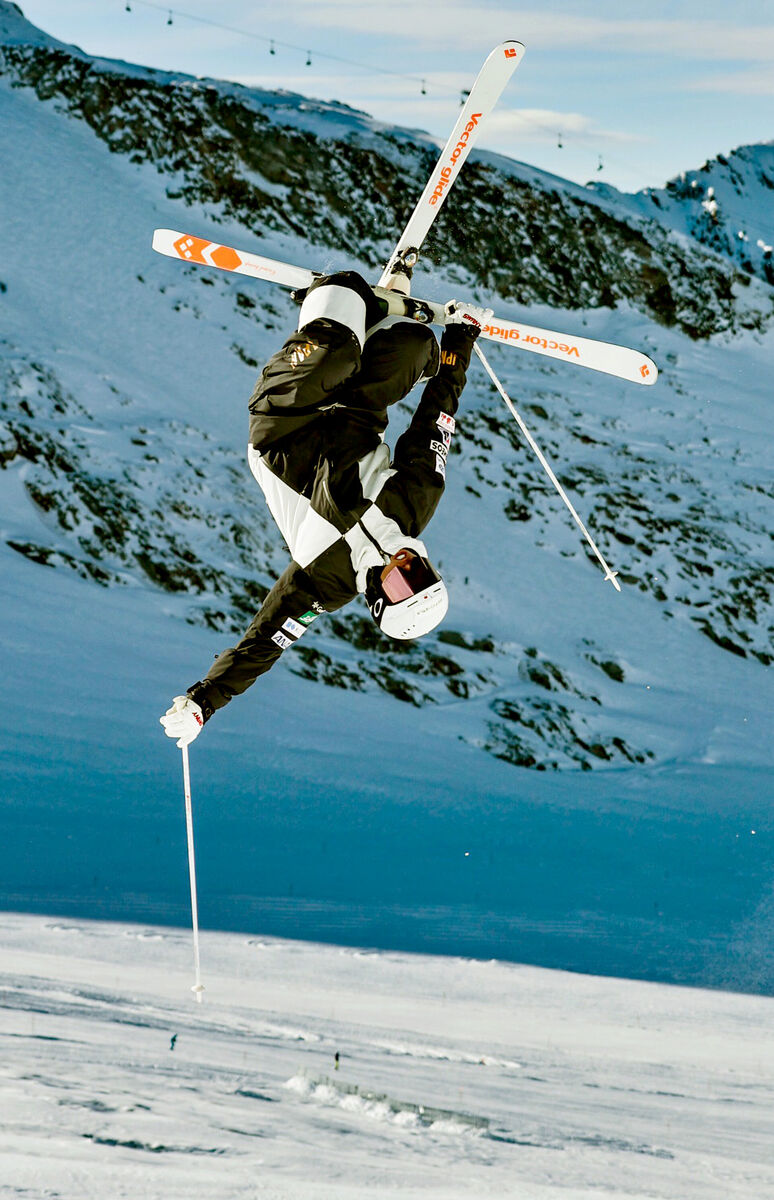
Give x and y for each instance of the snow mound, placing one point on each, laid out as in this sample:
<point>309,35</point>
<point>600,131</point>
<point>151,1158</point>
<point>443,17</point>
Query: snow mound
<point>352,1098</point>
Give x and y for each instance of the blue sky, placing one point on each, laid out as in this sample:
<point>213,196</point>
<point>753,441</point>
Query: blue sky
<point>646,88</point>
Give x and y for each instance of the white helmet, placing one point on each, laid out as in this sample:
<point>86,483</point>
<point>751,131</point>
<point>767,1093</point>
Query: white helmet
<point>407,597</point>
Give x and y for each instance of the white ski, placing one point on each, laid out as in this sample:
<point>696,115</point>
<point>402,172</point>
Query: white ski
<point>484,94</point>
<point>584,352</point>
<point>212,254</point>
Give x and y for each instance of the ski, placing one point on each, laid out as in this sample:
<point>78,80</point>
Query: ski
<point>486,91</point>
<point>583,352</point>
<point>606,357</point>
<point>212,254</point>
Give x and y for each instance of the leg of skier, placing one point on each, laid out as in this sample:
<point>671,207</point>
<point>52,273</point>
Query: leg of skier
<point>291,407</point>
<point>295,386</point>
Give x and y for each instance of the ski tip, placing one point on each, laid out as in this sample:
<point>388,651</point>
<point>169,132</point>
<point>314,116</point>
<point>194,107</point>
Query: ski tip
<point>648,371</point>
<point>512,50</point>
<point>163,240</point>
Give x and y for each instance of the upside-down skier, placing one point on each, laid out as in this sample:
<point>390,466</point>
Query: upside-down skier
<point>351,517</point>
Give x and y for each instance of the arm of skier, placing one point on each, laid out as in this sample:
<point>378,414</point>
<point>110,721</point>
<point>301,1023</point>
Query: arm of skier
<point>411,496</point>
<point>282,619</point>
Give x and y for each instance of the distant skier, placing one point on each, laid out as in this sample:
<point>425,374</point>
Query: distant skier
<point>350,517</point>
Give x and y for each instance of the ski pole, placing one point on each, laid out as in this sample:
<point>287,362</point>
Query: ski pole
<point>609,573</point>
<point>198,986</point>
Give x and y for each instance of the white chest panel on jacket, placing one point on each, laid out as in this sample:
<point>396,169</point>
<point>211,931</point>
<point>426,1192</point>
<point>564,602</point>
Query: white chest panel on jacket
<point>308,534</point>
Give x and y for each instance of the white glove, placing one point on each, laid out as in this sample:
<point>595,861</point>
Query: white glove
<point>184,720</point>
<point>467,314</point>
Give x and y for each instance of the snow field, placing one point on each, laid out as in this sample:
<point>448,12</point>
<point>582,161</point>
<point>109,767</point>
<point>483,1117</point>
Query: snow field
<point>456,1077</point>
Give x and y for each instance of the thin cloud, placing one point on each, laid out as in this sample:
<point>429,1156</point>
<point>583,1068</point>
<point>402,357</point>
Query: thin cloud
<point>535,125</point>
<point>453,24</point>
<point>755,81</point>
<point>386,100</point>
<point>545,124</point>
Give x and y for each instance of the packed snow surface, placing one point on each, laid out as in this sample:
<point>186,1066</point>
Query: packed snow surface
<point>455,1077</point>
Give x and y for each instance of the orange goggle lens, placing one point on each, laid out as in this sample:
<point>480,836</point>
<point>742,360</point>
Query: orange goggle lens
<point>396,586</point>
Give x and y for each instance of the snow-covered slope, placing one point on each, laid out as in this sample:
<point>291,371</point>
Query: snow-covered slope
<point>727,204</point>
<point>454,1078</point>
<point>135,545</point>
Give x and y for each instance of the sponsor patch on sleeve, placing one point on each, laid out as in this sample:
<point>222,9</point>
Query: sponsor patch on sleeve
<point>281,640</point>
<point>294,627</point>
<point>446,422</point>
<point>297,354</point>
<point>440,448</point>
<point>440,465</point>
<point>307,617</point>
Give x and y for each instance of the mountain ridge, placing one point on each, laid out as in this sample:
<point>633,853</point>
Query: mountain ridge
<point>533,239</point>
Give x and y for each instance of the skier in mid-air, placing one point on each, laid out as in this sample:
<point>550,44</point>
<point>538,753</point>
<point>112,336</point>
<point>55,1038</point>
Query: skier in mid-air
<point>351,517</point>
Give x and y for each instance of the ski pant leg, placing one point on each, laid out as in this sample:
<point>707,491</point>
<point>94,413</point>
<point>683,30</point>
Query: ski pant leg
<point>298,382</point>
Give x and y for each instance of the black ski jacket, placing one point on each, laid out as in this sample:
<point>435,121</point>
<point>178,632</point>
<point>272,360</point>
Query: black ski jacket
<point>317,418</point>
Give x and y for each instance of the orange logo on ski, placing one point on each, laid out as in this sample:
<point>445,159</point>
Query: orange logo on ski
<point>199,250</point>
<point>191,248</point>
<point>644,370</point>
<point>225,258</point>
<point>447,173</point>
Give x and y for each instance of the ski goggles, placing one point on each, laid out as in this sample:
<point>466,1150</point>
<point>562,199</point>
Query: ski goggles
<point>405,575</point>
